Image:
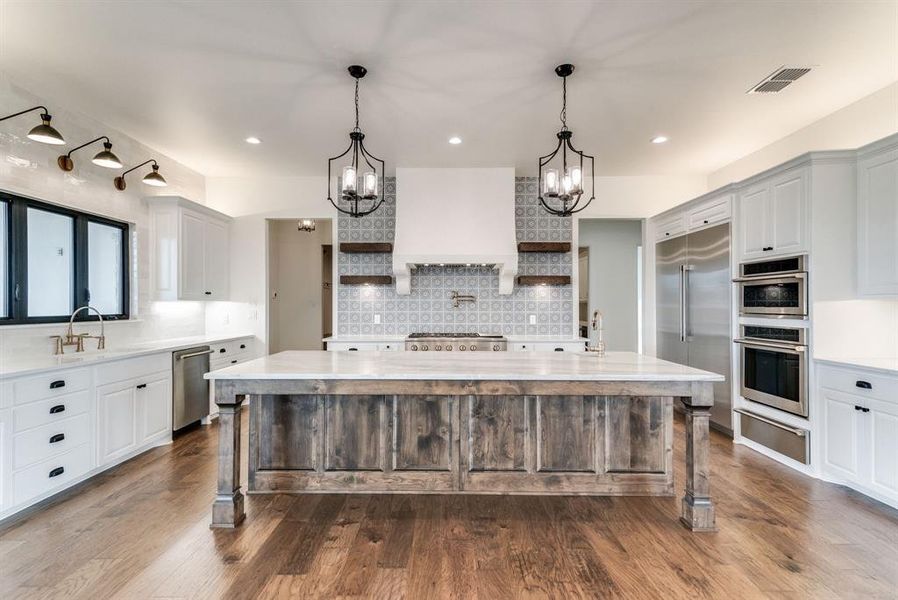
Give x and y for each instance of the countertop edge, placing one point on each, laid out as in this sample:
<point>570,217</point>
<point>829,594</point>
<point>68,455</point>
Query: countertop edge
<point>858,363</point>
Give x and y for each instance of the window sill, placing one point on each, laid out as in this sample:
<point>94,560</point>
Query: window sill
<point>64,324</point>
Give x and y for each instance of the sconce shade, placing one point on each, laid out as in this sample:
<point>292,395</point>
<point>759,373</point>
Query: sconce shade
<point>154,178</point>
<point>107,158</point>
<point>46,133</point>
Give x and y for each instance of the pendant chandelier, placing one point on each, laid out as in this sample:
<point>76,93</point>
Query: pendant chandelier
<point>307,225</point>
<point>359,191</point>
<point>561,182</point>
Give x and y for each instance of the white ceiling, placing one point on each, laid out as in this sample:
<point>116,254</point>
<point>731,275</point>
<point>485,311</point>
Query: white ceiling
<point>193,79</point>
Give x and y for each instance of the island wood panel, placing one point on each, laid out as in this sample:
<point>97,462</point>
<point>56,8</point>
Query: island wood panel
<point>423,433</point>
<point>289,428</point>
<point>635,434</point>
<point>497,433</point>
<point>566,433</point>
<point>352,433</point>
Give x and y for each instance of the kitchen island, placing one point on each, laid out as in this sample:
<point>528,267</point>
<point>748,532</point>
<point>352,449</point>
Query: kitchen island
<point>477,423</point>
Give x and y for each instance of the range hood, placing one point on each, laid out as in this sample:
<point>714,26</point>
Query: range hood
<point>455,217</point>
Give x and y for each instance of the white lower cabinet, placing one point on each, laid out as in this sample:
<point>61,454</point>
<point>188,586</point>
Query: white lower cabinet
<point>860,431</point>
<point>68,424</point>
<point>560,346</point>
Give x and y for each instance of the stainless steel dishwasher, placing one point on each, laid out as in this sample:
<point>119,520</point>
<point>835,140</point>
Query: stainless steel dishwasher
<point>190,393</point>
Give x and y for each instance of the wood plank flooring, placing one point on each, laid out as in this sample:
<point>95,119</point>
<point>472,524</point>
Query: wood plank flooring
<point>142,531</point>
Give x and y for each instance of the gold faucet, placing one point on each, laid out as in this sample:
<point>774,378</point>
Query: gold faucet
<point>598,326</point>
<point>70,339</point>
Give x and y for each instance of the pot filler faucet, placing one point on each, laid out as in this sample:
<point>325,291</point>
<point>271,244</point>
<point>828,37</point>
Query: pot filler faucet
<point>70,339</point>
<point>457,298</point>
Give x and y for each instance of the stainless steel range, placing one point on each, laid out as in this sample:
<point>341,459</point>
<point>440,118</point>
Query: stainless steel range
<point>455,342</point>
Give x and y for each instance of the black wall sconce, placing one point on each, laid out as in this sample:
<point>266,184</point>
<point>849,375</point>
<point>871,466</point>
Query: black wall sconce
<point>43,133</point>
<point>104,158</point>
<point>153,178</point>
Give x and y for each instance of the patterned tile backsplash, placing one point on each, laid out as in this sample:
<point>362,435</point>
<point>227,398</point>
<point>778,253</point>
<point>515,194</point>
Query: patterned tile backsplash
<point>429,307</point>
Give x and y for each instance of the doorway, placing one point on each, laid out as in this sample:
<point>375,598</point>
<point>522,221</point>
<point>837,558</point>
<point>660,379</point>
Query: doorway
<point>300,284</point>
<point>610,272</point>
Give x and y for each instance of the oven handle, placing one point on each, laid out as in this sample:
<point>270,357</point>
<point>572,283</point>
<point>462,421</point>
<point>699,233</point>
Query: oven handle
<point>754,415</point>
<point>795,347</point>
<point>772,277</point>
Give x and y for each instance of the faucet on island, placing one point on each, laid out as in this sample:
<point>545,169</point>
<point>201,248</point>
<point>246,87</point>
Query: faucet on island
<point>70,339</point>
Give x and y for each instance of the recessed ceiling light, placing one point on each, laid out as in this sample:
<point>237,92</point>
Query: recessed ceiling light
<point>455,140</point>
<point>659,139</point>
<point>253,140</point>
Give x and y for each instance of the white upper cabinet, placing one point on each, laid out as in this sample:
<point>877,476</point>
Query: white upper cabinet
<point>700,213</point>
<point>190,253</point>
<point>773,215</point>
<point>877,223</point>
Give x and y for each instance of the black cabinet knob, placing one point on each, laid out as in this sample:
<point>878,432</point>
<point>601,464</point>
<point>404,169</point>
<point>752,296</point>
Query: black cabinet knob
<point>223,350</point>
<point>234,362</point>
<point>57,409</point>
<point>559,349</point>
<point>208,293</point>
<point>59,383</point>
<point>57,438</point>
<point>766,248</point>
<point>242,346</point>
<point>706,221</point>
<point>141,386</point>
<point>57,471</point>
<point>864,385</point>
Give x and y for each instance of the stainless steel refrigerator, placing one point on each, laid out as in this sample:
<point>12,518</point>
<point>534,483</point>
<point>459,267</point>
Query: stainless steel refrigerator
<point>693,284</point>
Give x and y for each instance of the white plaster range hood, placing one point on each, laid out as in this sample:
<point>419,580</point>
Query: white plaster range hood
<point>455,217</point>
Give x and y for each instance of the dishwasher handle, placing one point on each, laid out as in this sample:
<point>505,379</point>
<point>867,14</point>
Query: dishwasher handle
<point>192,354</point>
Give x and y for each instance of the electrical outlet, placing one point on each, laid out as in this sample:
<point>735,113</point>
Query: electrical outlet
<point>377,319</point>
<point>533,319</point>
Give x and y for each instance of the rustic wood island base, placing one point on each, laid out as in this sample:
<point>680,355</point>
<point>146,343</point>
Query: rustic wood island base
<point>498,424</point>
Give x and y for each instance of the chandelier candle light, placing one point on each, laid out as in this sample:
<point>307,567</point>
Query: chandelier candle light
<point>564,185</point>
<point>354,188</point>
<point>306,225</point>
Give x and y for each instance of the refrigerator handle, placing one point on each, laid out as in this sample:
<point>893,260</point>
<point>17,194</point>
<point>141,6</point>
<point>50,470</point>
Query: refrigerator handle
<point>687,330</point>
<point>682,303</point>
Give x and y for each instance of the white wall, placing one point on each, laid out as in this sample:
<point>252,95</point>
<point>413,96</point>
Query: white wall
<point>29,169</point>
<point>295,294</point>
<point>855,125</point>
<point>613,284</point>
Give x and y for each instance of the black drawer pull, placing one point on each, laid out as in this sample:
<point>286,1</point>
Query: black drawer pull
<point>242,346</point>
<point>57,471</point>
<point>208,293</point>
<point>861,408</point>
<point>141,386</point>
<point>234,362</point>
<point>57,409</point>
<point>223,350</point>
<point>706,221</point>
<point>665,233</point>
<point>559,349</point>
<point>59,383</point>
<point>866,410</point>
<point>353,349</point>
<point>864,385</point>
<point>57,438</point>
<point>766,248</point>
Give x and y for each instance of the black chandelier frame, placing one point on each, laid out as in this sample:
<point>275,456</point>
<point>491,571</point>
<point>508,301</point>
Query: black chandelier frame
<point>358,151</point>
<point>570,203</point>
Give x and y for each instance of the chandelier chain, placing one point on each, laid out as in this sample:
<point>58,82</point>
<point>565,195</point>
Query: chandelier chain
<point>356,105</point>
<point>563,104</point>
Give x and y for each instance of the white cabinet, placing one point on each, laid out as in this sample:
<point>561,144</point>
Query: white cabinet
<point>154,406</point>
<point>877,223</point>
<point>700,213</point>
<point>860,432</point>
<point>356,346</point>
<point>773,215</point>
<point>543,346</point>
<point>670,226</point>
<point>117,419</point>
<point>5,458</point>
<point>190,249</point>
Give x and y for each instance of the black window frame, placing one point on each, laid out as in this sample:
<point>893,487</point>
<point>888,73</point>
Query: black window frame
<point>17,261</point>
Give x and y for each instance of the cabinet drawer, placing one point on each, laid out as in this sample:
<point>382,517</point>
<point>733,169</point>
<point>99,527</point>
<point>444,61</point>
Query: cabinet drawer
<point>522,347</point>
<point>51,410</point>
<point>133,368</point>
<point>710,213</point>
<point>352,346</point>
<point>559,347</point>
<point>226,360</point>
<point>670,227</point>
<point>856,382</point>
<point>50,474</point>
<point>227,349</point>
<point>51,385</point>
<point>49,440</point>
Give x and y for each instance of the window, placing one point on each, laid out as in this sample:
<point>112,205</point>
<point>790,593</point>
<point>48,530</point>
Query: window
<point>53,260</point>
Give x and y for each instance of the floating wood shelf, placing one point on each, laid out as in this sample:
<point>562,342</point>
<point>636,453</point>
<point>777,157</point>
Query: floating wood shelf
<point>544,246</point>
<point>366,247</point>
<point>366,279</point>
<point>544,279</point>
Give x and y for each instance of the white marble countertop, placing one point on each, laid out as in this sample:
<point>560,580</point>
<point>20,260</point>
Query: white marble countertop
<point>886,365</point>
<point>38,364</point>
<point>374,339</point>
<point>517,366</point>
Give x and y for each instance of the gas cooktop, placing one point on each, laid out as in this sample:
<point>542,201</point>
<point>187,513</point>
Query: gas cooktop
<point>428,334</point>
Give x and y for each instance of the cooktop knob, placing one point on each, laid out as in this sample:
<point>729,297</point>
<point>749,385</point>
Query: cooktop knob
<point>425,347</point>
<point>448,346</point>
<point>437,347</point>
<point>462,347</point>
<point>473,347</point>
<point>414,347</point>
<point>495,347</point>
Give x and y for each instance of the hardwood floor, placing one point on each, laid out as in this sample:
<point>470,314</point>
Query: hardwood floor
<point>142,531</point>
